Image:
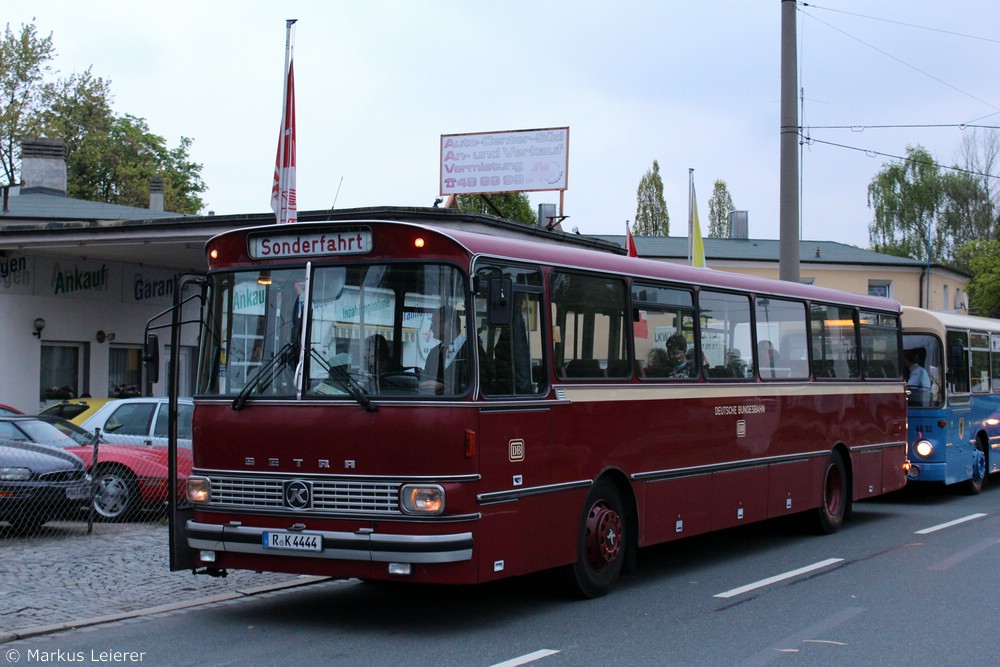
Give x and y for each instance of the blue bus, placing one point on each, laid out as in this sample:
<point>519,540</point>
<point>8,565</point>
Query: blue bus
<point>953,381</point>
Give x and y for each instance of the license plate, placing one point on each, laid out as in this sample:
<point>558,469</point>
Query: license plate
<point>293,541</point>
<point>78,492</point>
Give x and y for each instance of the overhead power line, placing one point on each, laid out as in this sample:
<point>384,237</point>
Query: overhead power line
<point>873,153</point>
<point>908,25</point>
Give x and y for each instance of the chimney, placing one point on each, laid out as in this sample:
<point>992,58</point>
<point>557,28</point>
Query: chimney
<point>43,166</point>
<point>156,193</point>
<point>738,225</point>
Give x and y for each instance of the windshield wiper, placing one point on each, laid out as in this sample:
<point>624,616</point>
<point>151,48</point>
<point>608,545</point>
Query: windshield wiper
<point>265,375</point>
<point>344,379</point>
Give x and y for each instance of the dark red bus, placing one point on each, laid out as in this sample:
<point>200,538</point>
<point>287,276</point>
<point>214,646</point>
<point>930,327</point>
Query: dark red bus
<point>397,401</point>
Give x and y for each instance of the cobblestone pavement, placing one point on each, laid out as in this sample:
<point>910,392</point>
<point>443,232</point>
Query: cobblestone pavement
<point>66,577</point>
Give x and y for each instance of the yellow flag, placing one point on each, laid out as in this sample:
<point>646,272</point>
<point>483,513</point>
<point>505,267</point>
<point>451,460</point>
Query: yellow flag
<point>696,246</point>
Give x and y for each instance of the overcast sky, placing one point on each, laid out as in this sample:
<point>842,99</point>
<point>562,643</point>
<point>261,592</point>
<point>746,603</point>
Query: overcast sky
<point>691,84</point>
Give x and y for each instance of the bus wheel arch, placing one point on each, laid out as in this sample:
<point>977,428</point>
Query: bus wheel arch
<point>607,537</point>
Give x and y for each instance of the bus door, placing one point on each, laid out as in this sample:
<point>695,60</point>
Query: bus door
<point>514,439</point>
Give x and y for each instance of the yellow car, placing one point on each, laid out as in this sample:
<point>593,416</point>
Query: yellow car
<point>75,410</point>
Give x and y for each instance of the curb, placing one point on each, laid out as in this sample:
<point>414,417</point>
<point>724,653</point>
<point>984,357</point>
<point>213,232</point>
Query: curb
<point>38,631</point>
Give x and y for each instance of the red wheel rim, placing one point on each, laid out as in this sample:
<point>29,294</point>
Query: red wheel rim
<point>604,532</point>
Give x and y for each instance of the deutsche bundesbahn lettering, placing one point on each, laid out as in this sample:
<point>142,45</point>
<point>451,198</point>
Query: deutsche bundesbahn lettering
<point>277,246</point>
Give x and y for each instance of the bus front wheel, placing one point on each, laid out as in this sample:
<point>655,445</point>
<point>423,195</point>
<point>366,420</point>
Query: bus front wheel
<point>835,496</point>
<point>601,542</point>
<point>974,484</point>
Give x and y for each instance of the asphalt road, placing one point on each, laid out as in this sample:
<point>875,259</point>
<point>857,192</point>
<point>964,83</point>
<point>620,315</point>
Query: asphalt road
<point>908,581</point>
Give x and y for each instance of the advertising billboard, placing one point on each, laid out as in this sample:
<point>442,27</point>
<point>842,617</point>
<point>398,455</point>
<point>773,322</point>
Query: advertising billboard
<point>512,161</point>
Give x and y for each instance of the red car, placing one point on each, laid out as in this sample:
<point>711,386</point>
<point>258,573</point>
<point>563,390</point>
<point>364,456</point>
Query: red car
<point>127,478</point>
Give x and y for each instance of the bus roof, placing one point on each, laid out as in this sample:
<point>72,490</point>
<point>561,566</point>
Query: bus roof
<point>479,243</point>
<point>919,318</point>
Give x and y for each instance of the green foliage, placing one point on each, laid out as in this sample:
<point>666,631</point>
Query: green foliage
<point>508,205</point>
<point>983,259</point>
<point>24,65</point>
<point>920,208</point>
<point>651,215</point>
<point>719,206</point>
<point>905,198</point>
<point>109,158</point>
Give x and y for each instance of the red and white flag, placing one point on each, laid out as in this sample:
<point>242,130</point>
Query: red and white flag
<point>630,242</point>
<point>283,189</point>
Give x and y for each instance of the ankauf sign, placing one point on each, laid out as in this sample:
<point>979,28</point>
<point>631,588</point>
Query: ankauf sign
<point>514,161</point>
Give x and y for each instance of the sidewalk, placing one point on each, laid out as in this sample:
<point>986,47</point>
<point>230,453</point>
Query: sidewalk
<point>68,578</point>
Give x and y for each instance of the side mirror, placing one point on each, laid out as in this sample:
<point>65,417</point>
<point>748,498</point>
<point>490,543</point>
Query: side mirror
<point>500,307</point>
<point>151,358</point>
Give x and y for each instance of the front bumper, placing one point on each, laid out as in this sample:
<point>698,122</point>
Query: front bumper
<point>363,545</point>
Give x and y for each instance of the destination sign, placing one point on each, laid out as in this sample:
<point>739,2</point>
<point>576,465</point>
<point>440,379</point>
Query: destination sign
<point>281,244</point>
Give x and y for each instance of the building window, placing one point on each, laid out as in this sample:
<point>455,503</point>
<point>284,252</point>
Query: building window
<point>61,371</point>
<point>124,372</point>
<point>880,288</point>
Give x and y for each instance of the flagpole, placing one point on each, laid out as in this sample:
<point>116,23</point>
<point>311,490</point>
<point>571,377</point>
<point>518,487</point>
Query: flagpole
<point>282,176</point>
<point>690,216</point>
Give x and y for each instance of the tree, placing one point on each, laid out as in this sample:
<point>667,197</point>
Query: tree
<point>966,215</point>
<point>905,197</point>
<point>651,215</point>
<point>109,158</point>
<point>508,205</point>
<point>24,65</point>
<point>983,259</point>
<point>719,206</point>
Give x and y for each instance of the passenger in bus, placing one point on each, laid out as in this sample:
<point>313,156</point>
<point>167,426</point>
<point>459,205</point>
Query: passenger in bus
<point>446,368</point>
<point>657,363</point>
<point>918,382</point>
<point>766,354</point>
<point>377,358</point>
<point>735,364</point>
<point>678,364</point>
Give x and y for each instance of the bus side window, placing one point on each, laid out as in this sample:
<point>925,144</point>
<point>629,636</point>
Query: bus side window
<point>510,350</point>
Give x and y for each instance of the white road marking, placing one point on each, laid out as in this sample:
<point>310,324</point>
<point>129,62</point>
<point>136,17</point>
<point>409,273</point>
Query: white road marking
<point>778,577</point>
<point>942,526</point>
<point>525,659</point>
<point>963,555</point>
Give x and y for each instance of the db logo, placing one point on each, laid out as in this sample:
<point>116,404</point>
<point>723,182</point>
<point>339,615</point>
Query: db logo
<point>516,449</point>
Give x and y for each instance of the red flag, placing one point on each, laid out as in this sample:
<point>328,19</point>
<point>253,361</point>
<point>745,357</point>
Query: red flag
<point>630,242</point>
<point>283,190</point>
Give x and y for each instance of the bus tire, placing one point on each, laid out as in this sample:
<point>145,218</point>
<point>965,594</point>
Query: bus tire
<point>974,484</point>
<point>601,542</point>
<point>835,495</point>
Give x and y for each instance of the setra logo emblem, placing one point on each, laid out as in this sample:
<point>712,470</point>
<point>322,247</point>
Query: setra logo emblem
<point>297,495</point>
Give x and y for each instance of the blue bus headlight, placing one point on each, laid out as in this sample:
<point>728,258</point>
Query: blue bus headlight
<point>199,489</point>
<point>422,499</point>
<point>923,448</point>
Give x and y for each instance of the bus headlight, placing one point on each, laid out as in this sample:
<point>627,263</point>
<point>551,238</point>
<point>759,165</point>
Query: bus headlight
<point>199,489</point>
<point>422,499</point>
<point>923,448</point>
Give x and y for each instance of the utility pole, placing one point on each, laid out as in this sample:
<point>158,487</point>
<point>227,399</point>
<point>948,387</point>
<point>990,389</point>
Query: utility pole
<point>788,212</point>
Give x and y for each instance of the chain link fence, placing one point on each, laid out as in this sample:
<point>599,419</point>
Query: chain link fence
<point>52,470</point>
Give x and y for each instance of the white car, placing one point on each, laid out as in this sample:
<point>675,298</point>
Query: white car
<point>141,421</point>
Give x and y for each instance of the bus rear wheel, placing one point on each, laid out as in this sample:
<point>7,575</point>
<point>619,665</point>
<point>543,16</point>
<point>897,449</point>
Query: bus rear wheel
<point>835,496</point>
<point>601,543</point>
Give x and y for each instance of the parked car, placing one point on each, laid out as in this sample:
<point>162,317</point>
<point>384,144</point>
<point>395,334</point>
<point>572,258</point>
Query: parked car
<point>127,478</point>
<point>141,421</point>
<point>74,409</point>
<point>39,483</point>
<point>6,410</point>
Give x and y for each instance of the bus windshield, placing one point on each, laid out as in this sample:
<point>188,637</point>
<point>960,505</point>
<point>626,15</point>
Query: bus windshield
<point>922,359</point>
<point>336,332</point>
